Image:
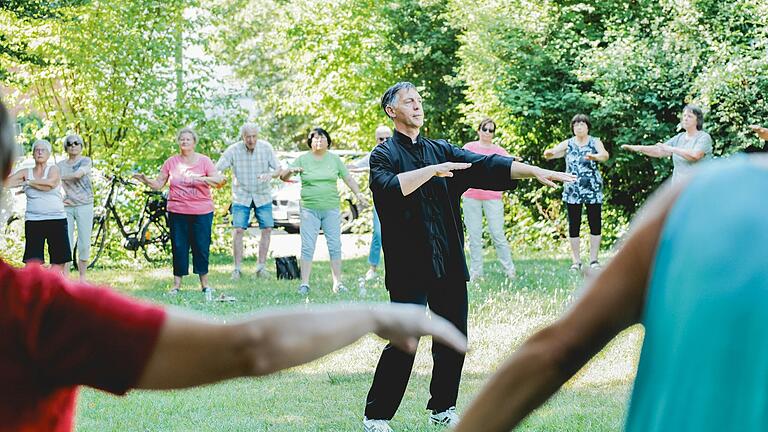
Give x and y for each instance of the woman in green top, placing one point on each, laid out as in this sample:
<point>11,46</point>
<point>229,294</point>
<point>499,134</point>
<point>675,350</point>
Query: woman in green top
<point>694,272</point>
<point>320,170</point>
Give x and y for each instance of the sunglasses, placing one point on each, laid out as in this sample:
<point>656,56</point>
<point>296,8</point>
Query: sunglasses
<point>489,130</point>
<point>72,144</point>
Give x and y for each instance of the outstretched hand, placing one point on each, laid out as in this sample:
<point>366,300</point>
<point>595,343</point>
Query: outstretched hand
<point>404,324</point>
<point>762,132</point>
<point>140,177</point>
<point>548,177</point>
<point>446,169</point>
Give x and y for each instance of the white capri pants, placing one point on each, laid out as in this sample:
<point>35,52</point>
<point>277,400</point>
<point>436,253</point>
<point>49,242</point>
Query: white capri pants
<point>81,215</point>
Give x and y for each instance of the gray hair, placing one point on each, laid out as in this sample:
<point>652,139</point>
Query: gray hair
<point>73,138</point>
<point>42,143</point>
<point>249,127</point>
<point>383,128</point>
<point>188,130</point>
<point>390,96</point>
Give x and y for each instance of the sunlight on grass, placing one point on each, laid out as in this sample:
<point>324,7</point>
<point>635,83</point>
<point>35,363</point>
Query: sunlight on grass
<point>329,394</point>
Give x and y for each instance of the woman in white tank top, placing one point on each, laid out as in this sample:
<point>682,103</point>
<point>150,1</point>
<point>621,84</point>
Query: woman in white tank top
<point>45,218</point>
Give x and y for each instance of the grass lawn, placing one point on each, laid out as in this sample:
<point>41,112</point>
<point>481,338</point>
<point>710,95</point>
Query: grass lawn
<point>329,394</point>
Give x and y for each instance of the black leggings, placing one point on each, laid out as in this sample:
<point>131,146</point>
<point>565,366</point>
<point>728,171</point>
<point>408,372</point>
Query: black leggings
<point>593,217</point>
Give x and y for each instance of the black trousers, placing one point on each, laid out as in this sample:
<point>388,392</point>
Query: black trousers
<point>447,298</point>
<point>594,218</point>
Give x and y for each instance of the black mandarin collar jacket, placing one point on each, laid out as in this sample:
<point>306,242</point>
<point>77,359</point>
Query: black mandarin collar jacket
<point>423,233</point>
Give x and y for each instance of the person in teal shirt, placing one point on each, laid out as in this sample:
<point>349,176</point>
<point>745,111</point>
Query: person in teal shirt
<point>694,272</point>
<point>320,171</point>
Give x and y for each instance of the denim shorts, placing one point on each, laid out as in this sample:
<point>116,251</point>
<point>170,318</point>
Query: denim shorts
<point>241,215</point>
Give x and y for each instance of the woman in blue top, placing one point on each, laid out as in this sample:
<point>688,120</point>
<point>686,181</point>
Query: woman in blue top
<point>701,294</point>
<point>582,152</point>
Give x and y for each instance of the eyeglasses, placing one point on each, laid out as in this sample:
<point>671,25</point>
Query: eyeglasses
<point>382,139</point>
<point>72,143</point>
<point>489,130</point>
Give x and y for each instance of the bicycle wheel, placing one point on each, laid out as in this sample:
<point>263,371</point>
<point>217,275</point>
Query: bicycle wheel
<point>155,239</point>
<point>98,240</point>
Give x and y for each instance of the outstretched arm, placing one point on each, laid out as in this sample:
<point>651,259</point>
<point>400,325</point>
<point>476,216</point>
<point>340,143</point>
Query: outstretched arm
<point>520,170</point>
<point>557,151</point>
<point>191,351</point>
<point>412,180</point>
<point>601,155</point>
<point>610,303</point>
<point>654,151</point>
<point>156,183</point>
<point>691,155</point>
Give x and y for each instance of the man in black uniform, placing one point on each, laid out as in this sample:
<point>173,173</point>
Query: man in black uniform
<point>417,184</point>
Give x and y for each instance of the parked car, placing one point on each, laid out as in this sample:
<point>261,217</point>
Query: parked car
<point>287,195</point>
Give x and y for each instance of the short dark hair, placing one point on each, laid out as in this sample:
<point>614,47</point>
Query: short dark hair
<point>390,96</point>
<point>581,118</point>
<point>318,131</point>
<point>485,121</point>
<point>696,110</point>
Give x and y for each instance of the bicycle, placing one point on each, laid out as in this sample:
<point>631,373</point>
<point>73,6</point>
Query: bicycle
<point>152,237</point>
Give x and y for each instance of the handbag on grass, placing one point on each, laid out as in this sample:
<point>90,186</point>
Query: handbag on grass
<point>287,267</point>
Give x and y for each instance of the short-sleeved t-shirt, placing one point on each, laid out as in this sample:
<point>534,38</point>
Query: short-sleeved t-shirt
<point>682,167</point>
<point>319,178</point>
<point>187,193</point>
<point>480,194</point>
<point>56,335</point>
<point>247,166</point>
<point>76,191</point>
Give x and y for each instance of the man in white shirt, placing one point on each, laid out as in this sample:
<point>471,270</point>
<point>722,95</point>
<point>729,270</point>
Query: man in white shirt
<point>253,165</point>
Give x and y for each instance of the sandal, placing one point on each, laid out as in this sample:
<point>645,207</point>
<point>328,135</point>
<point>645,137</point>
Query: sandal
<point>595,264</point>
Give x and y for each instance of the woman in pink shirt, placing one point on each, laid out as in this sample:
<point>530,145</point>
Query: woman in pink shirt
<point>190,207</point>
<point>475,201</point>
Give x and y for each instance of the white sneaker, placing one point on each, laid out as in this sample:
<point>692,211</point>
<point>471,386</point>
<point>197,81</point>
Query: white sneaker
<point>262,272</point>
<point>376,425</point>
<point>235,274</point>
<point>370,275</point>
<point>445,418</point>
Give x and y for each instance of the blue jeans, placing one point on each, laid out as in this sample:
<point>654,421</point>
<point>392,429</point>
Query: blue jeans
<point>241,215</point>
<point>190,231</point>
<point>374,256</point>
<point>311,222</point>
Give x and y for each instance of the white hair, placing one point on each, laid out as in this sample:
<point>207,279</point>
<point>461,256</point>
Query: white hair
<point>42,143</point>
<point>249,127</point>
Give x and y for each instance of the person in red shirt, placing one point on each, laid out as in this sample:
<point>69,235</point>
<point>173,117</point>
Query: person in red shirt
<point>56,335</point>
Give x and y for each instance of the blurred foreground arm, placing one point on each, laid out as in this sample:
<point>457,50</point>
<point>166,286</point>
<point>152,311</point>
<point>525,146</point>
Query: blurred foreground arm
<point>610,303</point>
<point>762,132</point>
<point>192,351</point>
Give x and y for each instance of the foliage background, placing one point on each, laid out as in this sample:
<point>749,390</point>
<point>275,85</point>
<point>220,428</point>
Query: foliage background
<point>128,74</point>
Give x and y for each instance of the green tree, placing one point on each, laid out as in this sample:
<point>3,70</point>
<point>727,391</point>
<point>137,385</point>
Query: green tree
<point>331,68</point>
